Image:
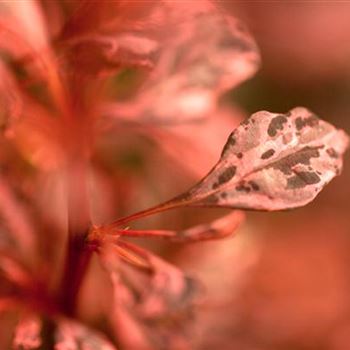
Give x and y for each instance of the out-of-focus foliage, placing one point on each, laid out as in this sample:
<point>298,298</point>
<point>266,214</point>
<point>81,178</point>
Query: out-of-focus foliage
<point>107,108</point>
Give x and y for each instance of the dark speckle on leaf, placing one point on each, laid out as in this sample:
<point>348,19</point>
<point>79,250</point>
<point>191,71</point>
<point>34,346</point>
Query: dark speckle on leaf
<point>268,154</point>
<point>225,176</point>
<point>191,289</point>
<point>236,43</point>
<point>276,124</point>
<point>228,174</point>
<point>309,121</point>
<point>332,153</point>
<point>254,185</point>
<point>223,195</point>
<point>302,179</point>
<point>246,121</point>
<point>301,157</point>
<point>212,199</point>
<point>230,142</point>
<point>239,155</point>
<point>242,187</point>
<point>299,123</point>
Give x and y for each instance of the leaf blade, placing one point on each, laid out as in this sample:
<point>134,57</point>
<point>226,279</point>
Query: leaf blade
<point>273,162</point>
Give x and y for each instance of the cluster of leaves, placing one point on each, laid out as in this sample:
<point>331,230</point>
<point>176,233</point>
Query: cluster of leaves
<point>56,106</point>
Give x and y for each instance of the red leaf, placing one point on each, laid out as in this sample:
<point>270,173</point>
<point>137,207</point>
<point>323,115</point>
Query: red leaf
<point>24,39</point>
<point>10,101</point>
<point>16,219</point>
<point>13,271</point>
<point>22,27</point>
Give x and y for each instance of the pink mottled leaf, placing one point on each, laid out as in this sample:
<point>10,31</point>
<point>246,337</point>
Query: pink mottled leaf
<point>154,295</point>
<point>169,288</point>
<point>206,54</point>
<point>270,162</point>
<point>273,162</point>
<point>28,333</point>
<point>129,330</point>
<point>209,54</point>
<point>193,44</point>
<point>97,54</point>
<point>72,335</point>
<point>102,38</point>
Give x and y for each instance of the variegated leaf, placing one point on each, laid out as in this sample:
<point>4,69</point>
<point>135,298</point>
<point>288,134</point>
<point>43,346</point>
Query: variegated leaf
<point>155,299</point>
<point>273,162</point>
<point>28,333</point>
<point>209,54</point>
<point>206,54</point>
<point>270,162</point>
<point>101,38</point>
<point>72,335</point>
<point>169,289</point>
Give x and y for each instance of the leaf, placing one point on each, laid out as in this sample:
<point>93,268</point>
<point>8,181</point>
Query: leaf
<point>13,214</point>
<point>102,38</point>
<point>28,333</point>
<point>152,296</point>
<point>24,40</point>
<point>90,17</point>
<point>218,229</point>
<point>72,335</point>
<point>209,55</point>
<point>18,34</point>
<point>101,55</point>
<point>168,287</point>
<point>273,162</point>
<point>270,162</point>
<point>206,54</point>
<point>10,100</point>
<point>129,331</point>
<point>13,271</point>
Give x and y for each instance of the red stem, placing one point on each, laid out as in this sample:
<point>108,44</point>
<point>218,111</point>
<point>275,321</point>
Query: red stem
<point>78,253</point>
<point>174,203</point>
<point>77,261</point>
<point>147,233</point>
